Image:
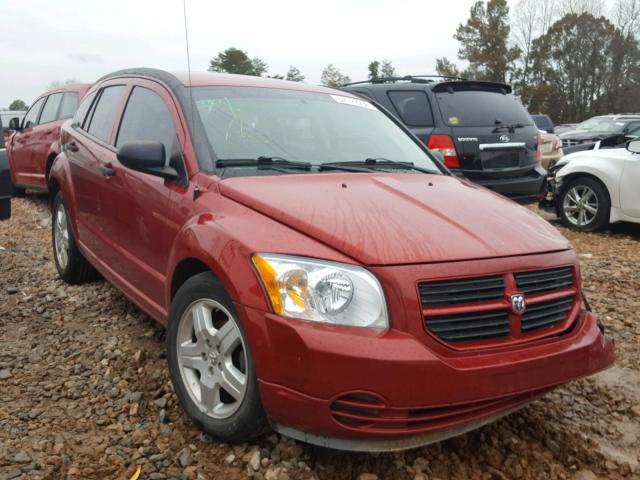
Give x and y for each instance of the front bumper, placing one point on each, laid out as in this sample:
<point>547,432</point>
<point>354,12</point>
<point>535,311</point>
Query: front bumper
<point>308,373</point>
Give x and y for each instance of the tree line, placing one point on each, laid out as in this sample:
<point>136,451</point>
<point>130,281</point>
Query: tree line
<point>234,60</point>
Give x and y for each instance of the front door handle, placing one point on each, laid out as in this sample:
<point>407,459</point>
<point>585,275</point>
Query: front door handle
<point>71,146</point>
<point>107,171</point>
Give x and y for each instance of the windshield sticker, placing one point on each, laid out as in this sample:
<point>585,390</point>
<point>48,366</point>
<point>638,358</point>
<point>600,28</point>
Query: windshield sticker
<point>353,102</point>
<point>454,120</point>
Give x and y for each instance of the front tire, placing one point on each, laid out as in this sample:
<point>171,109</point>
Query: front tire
<point>584,205</point>
<point>210,363</point>
<point>72,267</point>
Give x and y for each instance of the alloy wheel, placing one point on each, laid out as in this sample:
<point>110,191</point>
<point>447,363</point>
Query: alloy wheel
<point>580,205</point>
<point>61,236</point>
<point>212,358</point>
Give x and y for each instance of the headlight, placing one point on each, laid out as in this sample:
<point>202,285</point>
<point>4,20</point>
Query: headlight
<point>320,291</point>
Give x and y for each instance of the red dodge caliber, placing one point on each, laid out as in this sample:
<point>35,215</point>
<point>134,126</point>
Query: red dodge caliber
<point>317,269</point>
<point>34,145</point>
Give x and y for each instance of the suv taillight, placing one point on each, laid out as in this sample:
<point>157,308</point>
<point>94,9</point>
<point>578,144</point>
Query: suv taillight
<point>538,157</point>
<point>444,144</point>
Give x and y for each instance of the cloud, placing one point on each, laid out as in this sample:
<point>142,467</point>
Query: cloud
<point>84,57</point>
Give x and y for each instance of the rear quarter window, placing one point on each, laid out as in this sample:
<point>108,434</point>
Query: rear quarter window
<point>413,107</point>
<point>105,111</point>
<point>479,108</point>
<point>83,109</point>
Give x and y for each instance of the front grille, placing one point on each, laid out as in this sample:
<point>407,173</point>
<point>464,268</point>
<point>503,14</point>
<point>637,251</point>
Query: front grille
<point>469,326</point>
<point>458,311</point>
<point>458,292</point>
<point>547,314</point>
<point>544,280</point>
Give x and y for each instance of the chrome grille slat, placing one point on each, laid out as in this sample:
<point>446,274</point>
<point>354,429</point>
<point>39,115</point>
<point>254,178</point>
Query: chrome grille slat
<point>462,291</point>
<point>468,326</point>
<point>547,314</point>
<point>541,281</point>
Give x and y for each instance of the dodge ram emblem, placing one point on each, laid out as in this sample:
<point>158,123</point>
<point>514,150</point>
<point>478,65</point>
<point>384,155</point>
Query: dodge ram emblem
<point>518,305</point>
<point>505,138</point>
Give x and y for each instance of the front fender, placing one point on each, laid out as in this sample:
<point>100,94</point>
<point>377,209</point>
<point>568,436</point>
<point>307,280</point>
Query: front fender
<point>224,235</point>
<point>605,169</point>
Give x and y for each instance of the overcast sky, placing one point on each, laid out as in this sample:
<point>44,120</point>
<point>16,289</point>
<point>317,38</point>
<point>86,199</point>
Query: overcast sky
<point>44,41</point>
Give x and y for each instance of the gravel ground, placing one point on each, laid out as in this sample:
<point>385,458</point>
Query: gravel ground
<point>85,394</point>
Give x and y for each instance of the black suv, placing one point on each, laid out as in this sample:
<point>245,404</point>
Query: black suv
<point>479,129</point>
<point>5,180</point>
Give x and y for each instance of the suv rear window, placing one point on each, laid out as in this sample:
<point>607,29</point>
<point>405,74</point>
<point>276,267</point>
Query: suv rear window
<point>479,108</point>
<point>413,107</point>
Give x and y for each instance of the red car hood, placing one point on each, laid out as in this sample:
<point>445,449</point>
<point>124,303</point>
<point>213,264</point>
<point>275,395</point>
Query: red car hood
<point>391,219</point>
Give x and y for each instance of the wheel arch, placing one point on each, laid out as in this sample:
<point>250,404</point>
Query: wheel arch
<point>204,246</point>
<point>569,178</point>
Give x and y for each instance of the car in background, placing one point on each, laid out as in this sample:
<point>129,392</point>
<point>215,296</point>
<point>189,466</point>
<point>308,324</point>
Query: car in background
<point>279,228</point>
<point>5,180</point>
<point>543,122</point>
<point>5,117</point>
<point>600,127</point>
<point>34,145</point>
<point>551,148</point>
<point>480,129</point>
<point>564,127</point>
<point>589,190</point>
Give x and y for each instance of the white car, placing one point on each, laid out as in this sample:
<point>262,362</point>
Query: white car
<point>596,187</point>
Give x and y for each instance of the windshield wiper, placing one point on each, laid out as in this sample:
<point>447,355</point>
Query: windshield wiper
<point>509,128</point>
<point>373,163</point>
<point>262,162</point>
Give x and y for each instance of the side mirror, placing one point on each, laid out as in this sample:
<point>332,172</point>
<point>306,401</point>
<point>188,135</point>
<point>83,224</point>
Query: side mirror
<point>14,123</point>
<point>634,146</point>
<point>147,157</point>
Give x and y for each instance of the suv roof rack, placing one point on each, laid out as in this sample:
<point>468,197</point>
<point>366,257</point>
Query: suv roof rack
<point>408,78</point>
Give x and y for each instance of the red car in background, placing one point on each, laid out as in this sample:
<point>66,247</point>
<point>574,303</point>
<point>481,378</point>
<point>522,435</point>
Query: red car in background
<point>34,145</point>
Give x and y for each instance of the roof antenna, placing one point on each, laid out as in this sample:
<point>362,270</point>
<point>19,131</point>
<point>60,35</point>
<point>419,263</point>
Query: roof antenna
<point>196,191</point>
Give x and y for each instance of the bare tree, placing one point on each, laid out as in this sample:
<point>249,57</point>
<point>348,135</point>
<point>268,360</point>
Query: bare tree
<point>531,19</point>
<point>625,14</point>
<point>594,7</point>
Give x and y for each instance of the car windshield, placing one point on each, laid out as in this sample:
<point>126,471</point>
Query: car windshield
<point>279,126</point>
<point>602,125</point>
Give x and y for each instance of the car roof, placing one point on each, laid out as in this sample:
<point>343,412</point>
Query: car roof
<point>621,116</point>
<point>70,87</point>
<point>175,80</point>
<point>419,83</point>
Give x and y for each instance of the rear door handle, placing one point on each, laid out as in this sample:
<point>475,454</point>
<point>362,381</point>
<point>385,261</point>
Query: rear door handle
<point>107,171</point>
<point>71,146</point>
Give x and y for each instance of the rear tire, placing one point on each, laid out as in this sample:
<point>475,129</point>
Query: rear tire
<point>72,267</point>
<point>584,205</point>
<point>18,192</point>
<point>210,363</point>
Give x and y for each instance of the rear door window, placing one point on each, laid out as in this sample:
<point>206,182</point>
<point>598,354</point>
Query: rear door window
<point>50,109</point>
<point>478,108</point>
<point>105,111</point>
<point>69,105</point>
<point>413,107</point>
<point>31,118</point>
